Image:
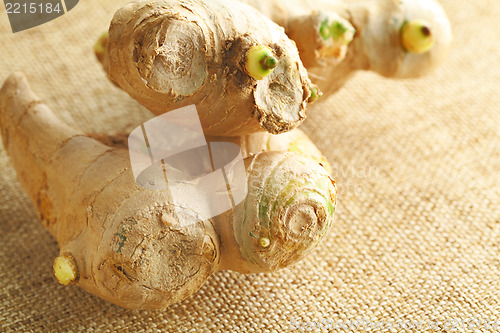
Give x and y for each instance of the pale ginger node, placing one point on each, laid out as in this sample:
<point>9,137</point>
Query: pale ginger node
<point>65,269</point>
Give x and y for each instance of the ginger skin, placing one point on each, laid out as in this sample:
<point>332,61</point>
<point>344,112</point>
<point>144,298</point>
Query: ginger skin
<point>132,246</point>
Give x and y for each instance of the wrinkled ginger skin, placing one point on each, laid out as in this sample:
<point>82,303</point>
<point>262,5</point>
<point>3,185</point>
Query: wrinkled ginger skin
<point>169,54</point>
<point>376,45</point>
<point>131,245</point>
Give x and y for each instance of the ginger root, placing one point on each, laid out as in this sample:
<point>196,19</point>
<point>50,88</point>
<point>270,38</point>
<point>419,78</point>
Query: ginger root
<point>169,54</point>
<point>135,246</point>
<point>131,245</point>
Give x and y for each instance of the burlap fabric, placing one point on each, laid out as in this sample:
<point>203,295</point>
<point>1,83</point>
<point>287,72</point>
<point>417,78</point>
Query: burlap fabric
<point>416,238</point>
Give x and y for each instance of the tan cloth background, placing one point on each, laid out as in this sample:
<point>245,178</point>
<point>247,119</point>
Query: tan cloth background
<point>418,165</point>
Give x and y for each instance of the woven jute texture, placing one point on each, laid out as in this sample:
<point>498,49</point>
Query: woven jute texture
<point>417,231</point>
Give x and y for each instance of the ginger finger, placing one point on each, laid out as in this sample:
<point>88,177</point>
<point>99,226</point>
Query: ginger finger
<point>132,246</point>
<point>86,196</point>
<point>169,54</point>
<point>379,44</point>
<point>287,211</point>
